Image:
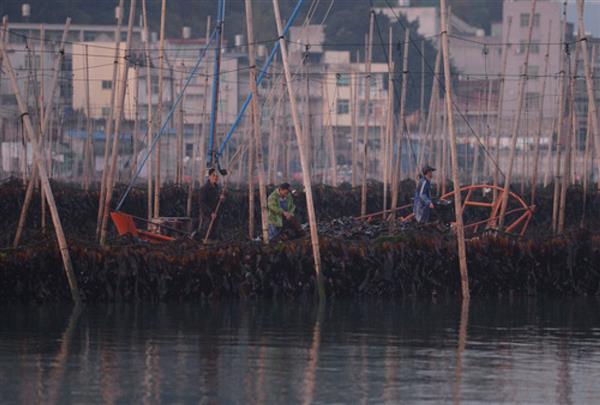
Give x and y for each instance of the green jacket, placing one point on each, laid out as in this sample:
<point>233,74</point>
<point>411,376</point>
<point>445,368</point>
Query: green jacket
<point>275,216</point>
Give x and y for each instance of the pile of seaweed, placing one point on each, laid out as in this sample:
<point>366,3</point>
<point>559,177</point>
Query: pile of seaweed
<point>412,264</point>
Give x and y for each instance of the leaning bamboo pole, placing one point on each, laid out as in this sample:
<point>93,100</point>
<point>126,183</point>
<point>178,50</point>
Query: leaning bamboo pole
<point>110,180</point>
<point>260,167</point>
<point>43,130</point>
<point>460,230</point>
<point>40,163</point>
<point>499,116</point>
<point>108,127</point>
<point>517,119</point>
<point>586,155</point>
<point>310,207</point>
<point>538,133</point>
<point>365,159</point>
<point>161,64</point>
<point>396,175</point>
<point>589,84</point>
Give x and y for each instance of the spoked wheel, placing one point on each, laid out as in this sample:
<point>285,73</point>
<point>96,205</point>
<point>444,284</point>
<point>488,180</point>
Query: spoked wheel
<point>481,209</point>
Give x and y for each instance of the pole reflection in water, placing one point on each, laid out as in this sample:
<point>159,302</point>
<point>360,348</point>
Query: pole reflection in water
<point>295,352</point>
<point>462,342</point>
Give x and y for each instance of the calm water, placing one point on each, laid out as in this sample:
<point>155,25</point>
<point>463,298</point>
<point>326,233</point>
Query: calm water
<point>533,351</point>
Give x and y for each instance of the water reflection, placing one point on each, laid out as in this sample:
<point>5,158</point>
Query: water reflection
<point>353,352</point>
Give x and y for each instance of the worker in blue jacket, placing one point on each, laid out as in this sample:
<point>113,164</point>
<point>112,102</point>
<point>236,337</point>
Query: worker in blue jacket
<point>423,205</point>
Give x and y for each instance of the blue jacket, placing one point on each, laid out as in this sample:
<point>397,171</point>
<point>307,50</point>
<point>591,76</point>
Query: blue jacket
<point>422,200</point>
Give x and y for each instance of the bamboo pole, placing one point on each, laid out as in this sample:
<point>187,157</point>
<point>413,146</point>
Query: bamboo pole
<point>538,133</point>
<point>430,129</point>
<point>586,155</point>
<point>118,121</point>
<point>40,163</point>
<point>89,149</point>
<point>312,218</point>
<point>41,118</point>
<point>180,128</point>
<point>396,175</point>
<point>262,187</point>
<point>136,121</point>
<point>499,118</point>
<point>353,129</point>
<point>161,64</point>
<point>330,135</point>
<point>460,230</point>
<point>488,130</point>
<point>566,178</point>
<point>149,121</point>
<point>109,120</point>
<point>363,194</point>
<point>589,84</point>
<point>517,119</point>
<point>560,127</point>
<point>548,171</point>
<point>387,147</point>
<point>43,128</point>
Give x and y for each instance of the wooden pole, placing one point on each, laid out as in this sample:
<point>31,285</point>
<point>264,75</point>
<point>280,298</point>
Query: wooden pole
<point>499,118</point>
<point>180,128</point>
<point>44,126</point>
<point>589,84</point>
<point>149,121</point>
<point>566,178</point>
<point>136,121</point>
<point>586,155</point>
<point>88,165</point>
<point>118,121</point>
<point>460,230</point>
<point>109,120</point>
<point>386,160</point>
<point>396,175</point>
<point>538,133</point>
<point>312,218</point>
<point>363,194</point>
<point>161,64</point>
<point>430,128</point>
<point>560,126</point>
<point>353,126</point>
<point>517,119</point>
<point>41,165</point>
<point>330,135</point>
<point>262,187</point>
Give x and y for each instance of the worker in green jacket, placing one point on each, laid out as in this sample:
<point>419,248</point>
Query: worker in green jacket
<point>281,211</point>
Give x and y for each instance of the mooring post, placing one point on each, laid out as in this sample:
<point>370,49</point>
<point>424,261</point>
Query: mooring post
<point>460,230</point>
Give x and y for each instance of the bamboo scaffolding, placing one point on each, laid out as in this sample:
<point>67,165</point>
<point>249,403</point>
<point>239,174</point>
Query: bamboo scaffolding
<point>40,163</point>
<point>110,180</point>
<point>517,119</point>
<point>459,228</point>
<point>312,219</point>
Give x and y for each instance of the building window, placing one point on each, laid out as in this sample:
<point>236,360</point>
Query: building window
<point>534,47</point>
<point>533,72</point>
<point>532,101</point>
<point>155,87</point>
<point>89,36</point>
<point>105,111</point>
<point>343,106</point>
<point>525,20</point>
<point>342,80</point>
<point>106,85</point>
<point>361,110</point>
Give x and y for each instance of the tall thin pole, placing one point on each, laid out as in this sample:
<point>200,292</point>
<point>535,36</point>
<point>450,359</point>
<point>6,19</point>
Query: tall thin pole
<point>499,118</point>
<point>312,218</point>
<point>460,230</point>
<point>517,119</point>
<point>39,159</point>
<point>353,132</point>
<point>216,83</point>
<point>538,133</point>
<point>136,120</point>
<point>363,195</point>
<point>89,146</point>
<point>109,120</point>
<point>110,180</point>
<point>586,155</point>
<point>161,64</point>
<point>402,125</point>
<point>330,135</point>
<point>149,122</point>
<point>386,161</point>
